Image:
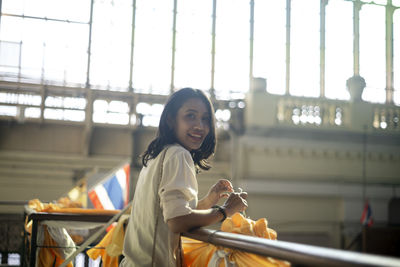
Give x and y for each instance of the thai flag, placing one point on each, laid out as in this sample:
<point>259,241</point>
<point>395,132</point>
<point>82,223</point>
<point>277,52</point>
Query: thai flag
<point>366,217</point>
<point>113,192</point>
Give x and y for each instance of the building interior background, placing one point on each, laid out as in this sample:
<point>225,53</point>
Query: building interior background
<point>306,94</point>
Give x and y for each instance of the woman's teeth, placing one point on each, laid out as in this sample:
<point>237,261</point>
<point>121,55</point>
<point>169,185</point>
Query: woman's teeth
<point>195,135</point>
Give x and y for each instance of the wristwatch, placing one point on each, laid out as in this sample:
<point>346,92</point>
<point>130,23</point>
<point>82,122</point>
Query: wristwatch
<point>221,210</point>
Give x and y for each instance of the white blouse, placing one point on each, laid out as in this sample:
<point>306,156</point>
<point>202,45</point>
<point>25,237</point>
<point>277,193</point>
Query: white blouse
<point>178,196</point>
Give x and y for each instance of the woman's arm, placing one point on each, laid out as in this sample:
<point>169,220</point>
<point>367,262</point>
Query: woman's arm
<point>198,218</point>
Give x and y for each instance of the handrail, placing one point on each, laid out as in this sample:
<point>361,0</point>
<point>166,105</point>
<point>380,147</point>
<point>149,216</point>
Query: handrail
<point>305,255</point>
<point>297,254</point>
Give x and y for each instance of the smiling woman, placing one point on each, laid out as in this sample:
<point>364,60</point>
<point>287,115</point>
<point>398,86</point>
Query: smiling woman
<point>165,201</point>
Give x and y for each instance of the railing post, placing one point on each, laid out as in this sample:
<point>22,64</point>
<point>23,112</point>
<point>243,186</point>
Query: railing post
<point>32,260</point>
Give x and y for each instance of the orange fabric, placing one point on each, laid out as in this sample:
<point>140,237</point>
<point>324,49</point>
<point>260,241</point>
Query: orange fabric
<point>47,256</point>
<point>199,254</point>
<point>100,250</point>
<point>110,247</point>
<point>61,207</point>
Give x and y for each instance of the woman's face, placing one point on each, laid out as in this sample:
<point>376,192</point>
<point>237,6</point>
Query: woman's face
<point>192,124</point>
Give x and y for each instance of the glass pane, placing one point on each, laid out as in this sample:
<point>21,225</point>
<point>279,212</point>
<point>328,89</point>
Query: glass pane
<point>74,10</point>
<point>193,44</point>
<point>12,7</point>
<point>51,50</point>
<point>8,111</point>
<point>14,259</point>
<point>65,55</point>
<point>9,56</point>
<point>32,60</point>
<point>10,46</point>
<point>33,37</point>
<point>396,58</point>
<point>304,48</point>
<point>153,46</point>
<point>372,52</point>
<point>338,48</point>
<point>269,43</point>
<point>11,29</point>
<point>111,44</point>
<point>232,47</point>
<point>32,112</point>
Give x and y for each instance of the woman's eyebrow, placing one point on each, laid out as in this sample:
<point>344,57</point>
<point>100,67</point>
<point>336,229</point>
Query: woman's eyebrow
<point>196,111</point>
<point>191,110</point>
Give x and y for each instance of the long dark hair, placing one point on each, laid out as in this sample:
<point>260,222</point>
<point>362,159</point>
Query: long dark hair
<point>166,135</point>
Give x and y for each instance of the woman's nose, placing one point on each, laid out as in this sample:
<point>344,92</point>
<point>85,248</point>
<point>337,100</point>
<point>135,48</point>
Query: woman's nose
<point>199,124</point>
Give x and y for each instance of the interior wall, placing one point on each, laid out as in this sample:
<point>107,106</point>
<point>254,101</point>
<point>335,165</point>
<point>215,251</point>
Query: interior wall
<point>111,142</point>
<point>41,137</point>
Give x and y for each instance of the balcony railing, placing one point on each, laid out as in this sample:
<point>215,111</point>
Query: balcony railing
<point>265,110</point>
<point>297,254</point>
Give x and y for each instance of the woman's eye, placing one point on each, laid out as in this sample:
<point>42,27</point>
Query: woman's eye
<point>190,116</point>
<point>206,119</point>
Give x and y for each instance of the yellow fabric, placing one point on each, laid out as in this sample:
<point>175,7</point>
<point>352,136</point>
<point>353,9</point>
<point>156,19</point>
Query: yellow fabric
<point>199,254</point>
<point>117,242</point>
<point>113,243</point>
<point>65,206</point>
<point>99,250</point>
<point>50,254</point>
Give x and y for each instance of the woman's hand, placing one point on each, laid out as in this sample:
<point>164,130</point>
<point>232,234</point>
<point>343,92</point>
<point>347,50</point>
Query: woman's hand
<point>199,217</point>
<point>235,203</point>
<point>219,190</point>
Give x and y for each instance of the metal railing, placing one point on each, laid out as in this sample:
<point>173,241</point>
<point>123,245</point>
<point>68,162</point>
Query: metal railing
<point>297,254</point>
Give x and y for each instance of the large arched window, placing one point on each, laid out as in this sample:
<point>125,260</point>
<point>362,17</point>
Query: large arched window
<point>48,42</point>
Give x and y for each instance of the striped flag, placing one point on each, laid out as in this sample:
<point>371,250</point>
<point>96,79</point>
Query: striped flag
<point>113,192</point>
<point>366,216</point>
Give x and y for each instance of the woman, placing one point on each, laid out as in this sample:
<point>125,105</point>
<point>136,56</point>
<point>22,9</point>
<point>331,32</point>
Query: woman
<point>163,207</point>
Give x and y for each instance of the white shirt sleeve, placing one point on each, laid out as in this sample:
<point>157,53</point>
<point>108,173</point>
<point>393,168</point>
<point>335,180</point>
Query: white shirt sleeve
<point>178,185</point>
